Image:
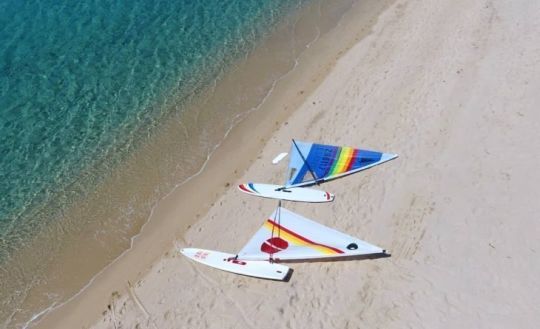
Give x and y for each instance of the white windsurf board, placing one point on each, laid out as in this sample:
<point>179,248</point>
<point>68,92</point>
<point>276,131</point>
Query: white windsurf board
<point>279,157</point>
<point>227,262</point>
<point>300,194</point>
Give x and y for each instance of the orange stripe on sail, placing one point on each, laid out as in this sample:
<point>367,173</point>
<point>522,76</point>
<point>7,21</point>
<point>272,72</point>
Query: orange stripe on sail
<point>343,161</point>
<point>354,155</point>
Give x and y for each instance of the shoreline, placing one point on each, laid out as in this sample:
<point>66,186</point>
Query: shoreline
<point>115,275</point>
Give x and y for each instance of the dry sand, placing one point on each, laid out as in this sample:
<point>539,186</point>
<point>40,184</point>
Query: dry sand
<point>451,86</point>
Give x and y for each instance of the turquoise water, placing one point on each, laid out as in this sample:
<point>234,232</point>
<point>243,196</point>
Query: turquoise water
<point>82,83</point>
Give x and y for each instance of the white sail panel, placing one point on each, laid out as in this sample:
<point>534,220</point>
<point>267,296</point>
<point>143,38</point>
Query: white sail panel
<point>289,236</point>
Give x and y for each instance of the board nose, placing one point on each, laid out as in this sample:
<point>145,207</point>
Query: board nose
<point>187,251</point>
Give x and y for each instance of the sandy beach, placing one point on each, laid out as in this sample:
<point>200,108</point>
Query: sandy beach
<point>452,87</point>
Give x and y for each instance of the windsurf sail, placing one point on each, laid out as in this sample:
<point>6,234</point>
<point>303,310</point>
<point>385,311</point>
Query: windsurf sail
<point>312,163</point>
<point>289,236</point>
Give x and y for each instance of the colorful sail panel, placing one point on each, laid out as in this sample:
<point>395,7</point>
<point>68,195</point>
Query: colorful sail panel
<point>311,162</point>
<point>289,236</point>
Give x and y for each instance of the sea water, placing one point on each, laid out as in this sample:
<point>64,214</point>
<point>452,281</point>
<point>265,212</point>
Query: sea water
<point>83,84</point>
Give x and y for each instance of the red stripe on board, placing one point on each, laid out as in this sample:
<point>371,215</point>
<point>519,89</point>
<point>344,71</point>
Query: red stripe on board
<point>351,160</point>
<point>243,188</point>
<point>303,238</point>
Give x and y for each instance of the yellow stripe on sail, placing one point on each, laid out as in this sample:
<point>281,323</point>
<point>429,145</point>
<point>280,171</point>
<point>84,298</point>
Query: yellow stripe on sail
<point>294,240</point>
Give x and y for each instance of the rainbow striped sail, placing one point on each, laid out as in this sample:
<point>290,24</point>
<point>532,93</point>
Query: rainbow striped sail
<point>311,163</point>
<point>289,236</point>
